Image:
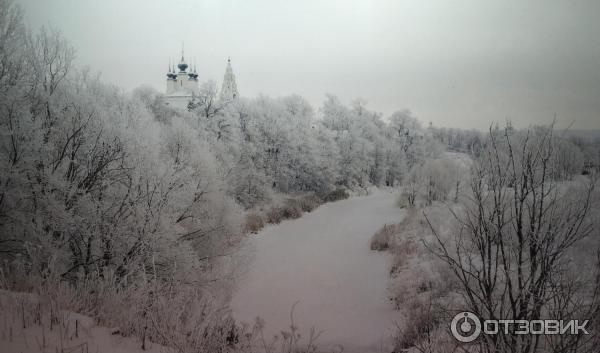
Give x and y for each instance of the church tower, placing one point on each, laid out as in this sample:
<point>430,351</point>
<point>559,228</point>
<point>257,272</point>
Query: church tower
<point>171,80</point>
<point>182,86</point>
<point>229,89</point>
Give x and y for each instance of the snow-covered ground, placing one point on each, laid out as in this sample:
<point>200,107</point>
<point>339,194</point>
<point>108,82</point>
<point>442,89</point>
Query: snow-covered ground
<point>323,260</point>
<point>71,332</point>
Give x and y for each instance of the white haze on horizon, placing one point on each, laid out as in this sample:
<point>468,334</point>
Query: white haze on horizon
<point>459,63</point>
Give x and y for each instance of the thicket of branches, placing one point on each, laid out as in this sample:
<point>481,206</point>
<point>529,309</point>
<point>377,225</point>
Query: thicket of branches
<point>519,241</point>
<point>518,232</point>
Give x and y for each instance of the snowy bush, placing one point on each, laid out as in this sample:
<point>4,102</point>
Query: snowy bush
<point>309,203</point>
<point>292,209</point>
<point>336,195</point>
<point>274,215</point>
<point>384,237</point>
<point>254,222</point>
<point>434,180</point>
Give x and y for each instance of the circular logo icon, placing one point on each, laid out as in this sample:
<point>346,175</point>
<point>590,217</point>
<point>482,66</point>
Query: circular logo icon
<point>465,326</point>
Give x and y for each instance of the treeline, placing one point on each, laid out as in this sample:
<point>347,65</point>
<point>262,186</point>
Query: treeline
<point>282,145</point>
<point>576,155</point>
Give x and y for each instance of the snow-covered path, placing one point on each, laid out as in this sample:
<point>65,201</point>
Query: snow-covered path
<point>323,260</point>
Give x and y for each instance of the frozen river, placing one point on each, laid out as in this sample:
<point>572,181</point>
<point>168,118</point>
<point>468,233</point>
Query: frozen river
<point>323,261</point>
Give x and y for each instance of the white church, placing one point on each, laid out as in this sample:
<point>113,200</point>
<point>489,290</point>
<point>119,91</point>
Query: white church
<point>183,86</point>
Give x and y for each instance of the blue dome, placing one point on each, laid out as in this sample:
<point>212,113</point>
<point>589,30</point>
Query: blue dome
<point>182,65</point>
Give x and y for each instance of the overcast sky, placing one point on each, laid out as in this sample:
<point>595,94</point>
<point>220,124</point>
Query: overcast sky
<point>456,63</point>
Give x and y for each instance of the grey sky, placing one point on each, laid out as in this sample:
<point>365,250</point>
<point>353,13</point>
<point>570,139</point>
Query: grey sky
<point>453,62</point>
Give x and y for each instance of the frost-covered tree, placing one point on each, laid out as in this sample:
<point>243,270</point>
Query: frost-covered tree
<point>513,251</point>
<point>568,160</point>
<point>97,182</point>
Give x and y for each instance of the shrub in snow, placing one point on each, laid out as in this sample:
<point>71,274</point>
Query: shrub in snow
<point>309,203</point>
<point>403,250</point>
<point>425,328</point>
<point>336,195</point>
<point>274,215</point>
<point>254,222</point>
<point>292,209</point>
<point>402,201</point>
<point>420,319</point>
<point>384,237</point>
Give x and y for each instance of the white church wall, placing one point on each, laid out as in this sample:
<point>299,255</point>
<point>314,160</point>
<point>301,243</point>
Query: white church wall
<point>178,102</point>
